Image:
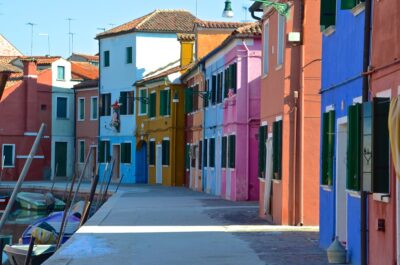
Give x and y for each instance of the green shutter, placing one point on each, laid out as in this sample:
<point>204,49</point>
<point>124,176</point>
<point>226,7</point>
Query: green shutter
<point>212,152</point>
<point>328,13</point>
<point>165,152</point>
<point>162,103</point>
<point>234,77</point>
<point>168,102</point>
<point>277,150</point>
<point>206,98</point>
<point>381,159</point>
<point>106,58</point>
<point>152,105</point>
<point>200,153</point>
<point>123,101</point>
<point>331,147</point>
<point>142,96</point>
<point>232,150</point>
<point>224,149</point>
<point>348,4</point>
<point>325,149</point>
<point>354,147</point>
<point>205,153</point>
<point>152,152</point>
<point>129,55</point>
<point>81,151</point>
<point>8,155</point>
<point>214,90</point>
<point>262,138</point>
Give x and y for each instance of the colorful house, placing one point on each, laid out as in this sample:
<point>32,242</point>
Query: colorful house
<point>290,103</point>
<point>342,82</point>
<point>231,116</point>
<point>128,53</point>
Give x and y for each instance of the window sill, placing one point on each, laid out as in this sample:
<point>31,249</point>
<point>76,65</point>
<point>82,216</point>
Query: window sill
<point>354,194</point>
<point>60,80</point>
<point>261,179</point>
<point>276,181</point>
<point>8,166</point>
<point>329,31</point>
<point>358,9</point>
<point>80,120</point>
<point>278,67</point>
<point>165,166</point>
<point>265,76</point>
<point>327,188</point>
<point>92,119</point>
<point>381,197</point>
<point>62,119</point>
<point>142,114</point>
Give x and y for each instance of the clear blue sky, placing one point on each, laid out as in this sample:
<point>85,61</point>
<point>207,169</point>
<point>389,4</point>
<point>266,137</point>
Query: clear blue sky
<point>50,17</point>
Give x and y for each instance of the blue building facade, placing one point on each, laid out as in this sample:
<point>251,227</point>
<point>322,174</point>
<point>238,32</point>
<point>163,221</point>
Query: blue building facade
<point>342,65</point>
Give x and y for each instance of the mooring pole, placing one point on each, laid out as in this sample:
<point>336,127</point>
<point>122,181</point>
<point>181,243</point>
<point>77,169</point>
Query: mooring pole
<point>22,176</point>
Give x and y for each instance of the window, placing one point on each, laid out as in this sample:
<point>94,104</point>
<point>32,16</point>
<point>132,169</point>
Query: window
<point>265,48</point>
<point>350,4</point>
<point>126,101</point>
<point>60,73</point>
<point>81,109</point>
<point>152,104</point>
<point>165,102</point>
<point>165,152</point>
<point>104,151</point>
<point>8,156</point>
<point>189,100</point>
<point>219,87</point>
<point>206,99</point>
<point>224,151</point>
<point>128,55</point>
<point>93,108</point>
<point>205,153</point>
<point>200,154</point>
<point>376,146</point>
<point>187,156</point>
<point>354,147</point>
<point>106,58</point>
<point>281,38</point>
<point>81,151</point>
<point>231,150</point>
<point>105,104</point>
<point>142,103</point>
<point>195,97</point>
<point>328,146</point>
<point>214,90</point>
<point>212,152</point>
<point>277,150</point>
<point>126,153</point>
<point>152,153</point>
<point>262,152</point>
<point>230,79</point>
<point>62,108</point>
<point>328,13</point>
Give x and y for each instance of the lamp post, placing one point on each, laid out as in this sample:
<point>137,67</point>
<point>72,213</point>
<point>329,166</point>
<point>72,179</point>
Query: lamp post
<point>228,11</point>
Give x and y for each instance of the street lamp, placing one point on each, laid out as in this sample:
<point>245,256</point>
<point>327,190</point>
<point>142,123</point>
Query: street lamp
<point>228,11</point>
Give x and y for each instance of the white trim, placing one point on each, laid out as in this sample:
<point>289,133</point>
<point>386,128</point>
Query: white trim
<point>13,156</point>
<point>381,197</point>
<point>329,30</point>
<point>326,188</point>
<point>358,9</point>
<point>166,138</point>
<point>91,108</point>
<point>342,120</point>
<point>329,108</point>
<point>357,100</point>
<point>30,133</point>
<point>153,91</point>
<point>67,105</point>
<point>264,123</point>
<point>140,102</point>
<point>265,48</point>
<point>270,135</point>
<point>152,140</point>
<point>31,76</point>
<point>353,193</point>
<point>167,88</point>
<point>78,118</point>
<point>384,94</point>
<point>278,118</point>
<point>398,90</point>
<point>27,156</point>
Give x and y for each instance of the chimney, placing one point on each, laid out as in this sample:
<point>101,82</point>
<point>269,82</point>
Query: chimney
<point>30,84</point>
<point>187,48</point>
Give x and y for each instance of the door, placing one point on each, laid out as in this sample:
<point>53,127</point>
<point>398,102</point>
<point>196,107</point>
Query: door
<point>141,162</point>
<point>195,166</point>
<point>61,149</point>
<point>116,154</point>
<point>341,195</point>
<point>159,164</point>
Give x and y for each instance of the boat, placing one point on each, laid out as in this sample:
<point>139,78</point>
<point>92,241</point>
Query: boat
<point>17,253</point>
<point>39,202</point>
<point>52,223</point>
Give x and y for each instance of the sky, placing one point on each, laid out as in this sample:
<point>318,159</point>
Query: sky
<point>88,17</point>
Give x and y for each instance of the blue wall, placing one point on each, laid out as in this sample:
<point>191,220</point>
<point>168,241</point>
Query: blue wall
<point>342,60</point>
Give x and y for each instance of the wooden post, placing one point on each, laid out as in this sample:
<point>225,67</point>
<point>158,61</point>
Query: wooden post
<point>30,251</point>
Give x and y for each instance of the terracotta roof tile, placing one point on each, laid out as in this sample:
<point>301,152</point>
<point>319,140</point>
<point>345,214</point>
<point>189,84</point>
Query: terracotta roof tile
<point>84,71</point>
<point>252,29</point>
<point>179,21</point>
<point>9,68</point>
<point>87,84</point>
<point>186,37</point>
<point>219,24</point>
<point>87,56</point>
<point>163,72</point>
<point>41,60</point>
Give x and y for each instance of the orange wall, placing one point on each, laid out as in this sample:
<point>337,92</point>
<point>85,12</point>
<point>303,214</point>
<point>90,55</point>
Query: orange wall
<point>208,40</point>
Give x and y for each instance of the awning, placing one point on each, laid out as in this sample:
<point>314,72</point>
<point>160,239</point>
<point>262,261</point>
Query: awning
<point>394,133</point>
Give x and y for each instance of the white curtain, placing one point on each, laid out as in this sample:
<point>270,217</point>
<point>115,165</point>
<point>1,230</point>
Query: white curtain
<point>268,176</point>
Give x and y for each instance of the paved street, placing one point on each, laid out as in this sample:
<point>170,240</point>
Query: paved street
<point>146,225</point>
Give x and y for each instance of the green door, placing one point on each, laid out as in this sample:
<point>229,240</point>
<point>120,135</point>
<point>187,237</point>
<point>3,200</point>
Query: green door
<point>61,159</point>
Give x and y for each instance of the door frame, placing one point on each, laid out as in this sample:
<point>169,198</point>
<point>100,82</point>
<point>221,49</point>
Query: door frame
<point>55,158</point>
<point>117,164</point>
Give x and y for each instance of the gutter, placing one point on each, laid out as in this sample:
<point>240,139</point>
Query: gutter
<point>256,7</point>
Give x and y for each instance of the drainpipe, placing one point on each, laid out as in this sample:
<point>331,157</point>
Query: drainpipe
<point>365,98</point>
<point>247,114</point>
<point>295,98</point>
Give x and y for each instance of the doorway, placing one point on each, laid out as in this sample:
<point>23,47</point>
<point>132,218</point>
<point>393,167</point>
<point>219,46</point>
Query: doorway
<point>159,164</point>
<point>116,154</point>
<point>341,171</point>
<point>61,149</point>
<point>141,162</point>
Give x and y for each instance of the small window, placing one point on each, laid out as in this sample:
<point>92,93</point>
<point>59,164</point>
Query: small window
<point>231,150</point>
<point>81,109</point>
<point>219,87</point>
<point>106,58</point>
<point>8,155</point>
<point>165,152</point>
<point>105,104</point>
<point>94,108</point>
<point>104,151</point>
<point>165,102</point>
<point>266,49</point>
<point>81,151</point>
<point>206,98</point>
<point>224,151</point>
<point>128,55</point>
<point>212,152</point>
<point>126,100</point>
<point>62,108</point>
<point>214,90</point>
<point>60,73</point>
<point>142,101</point>
<point>328,13</point>
<point>281,38</point>
<point>152,153</point>
<point>43,107</point>
<point>152,105</point>
<point>328,145</point>
<point>126,153</point>
<point>205,152</point>
<point>189,100</point>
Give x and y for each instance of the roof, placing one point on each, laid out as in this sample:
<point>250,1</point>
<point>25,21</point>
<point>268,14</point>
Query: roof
<point>169,21</point>
<point>84,71</point>
<point>87,84</point>
<point>254,29</point>
<point>7,48</point>
<point>41,60</point>
<point>5,62</point>
<point>219,24</point>
<point>9,68</point>
<point>86,56</point>
<point>186,37</point>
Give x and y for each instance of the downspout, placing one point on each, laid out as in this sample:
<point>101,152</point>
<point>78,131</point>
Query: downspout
<point>247,115</point>
<point>365,98</point>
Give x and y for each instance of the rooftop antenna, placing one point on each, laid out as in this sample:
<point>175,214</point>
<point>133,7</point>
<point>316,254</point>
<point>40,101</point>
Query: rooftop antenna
<point>245,10</point>
<point>32,25</point>
<point>48,41</point>
<point>69,33</point>
<point>72,34</point>
<point>103,29</point>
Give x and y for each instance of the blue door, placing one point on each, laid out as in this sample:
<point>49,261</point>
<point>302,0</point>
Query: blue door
<point>141,162</point>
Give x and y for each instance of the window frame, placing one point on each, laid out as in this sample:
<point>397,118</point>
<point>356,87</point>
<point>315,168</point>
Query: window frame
<point>142,103</point>
<point>281,40</point>
<point>92,118</point>
<point>80,155</point>
<point>58,72</point>
<point>123,151</point>
<point>81,109</point>
<point>66,106</point>
<point>3,165</point>
<point>265,53</point>
<point>152,105</point>
<point>152,152</point>
<point>166,152</point>
<point>129,55</point>
<point>107,56</point>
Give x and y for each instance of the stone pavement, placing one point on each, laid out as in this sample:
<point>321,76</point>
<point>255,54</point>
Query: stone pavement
<point>153,225</point>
